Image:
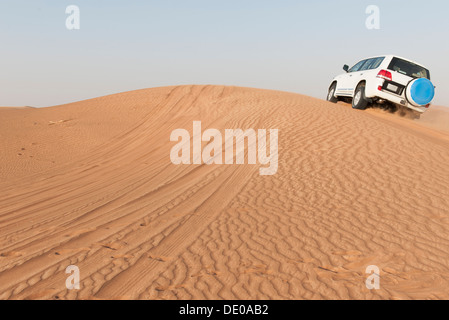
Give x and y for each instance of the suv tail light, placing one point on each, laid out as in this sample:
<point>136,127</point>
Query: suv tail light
<point>384,74</point>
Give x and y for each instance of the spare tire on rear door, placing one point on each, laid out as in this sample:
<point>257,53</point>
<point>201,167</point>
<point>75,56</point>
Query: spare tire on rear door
<point>420,92</point>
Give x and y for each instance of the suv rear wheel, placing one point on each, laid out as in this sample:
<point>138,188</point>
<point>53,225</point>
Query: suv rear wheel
<point>359,101</point>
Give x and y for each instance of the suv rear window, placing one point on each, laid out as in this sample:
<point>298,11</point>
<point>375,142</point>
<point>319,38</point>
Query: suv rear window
<point>408,68</point>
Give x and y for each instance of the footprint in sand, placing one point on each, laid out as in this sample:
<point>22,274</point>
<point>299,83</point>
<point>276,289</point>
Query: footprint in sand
<point>173,287</point>
<point>115,245</point>
<point>11,254</point>
<point>70,251</point>
<point>159,258</point>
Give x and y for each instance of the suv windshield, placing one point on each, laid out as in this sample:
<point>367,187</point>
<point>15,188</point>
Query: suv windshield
<point>408,68</point>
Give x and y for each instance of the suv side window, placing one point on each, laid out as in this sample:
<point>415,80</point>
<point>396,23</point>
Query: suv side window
<point>357,67</point>
<point>367,64</point>
<point>377,63</point>
<point>372,63</point>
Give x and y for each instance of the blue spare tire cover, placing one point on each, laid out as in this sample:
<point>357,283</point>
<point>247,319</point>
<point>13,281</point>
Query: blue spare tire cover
<point>420,92</point>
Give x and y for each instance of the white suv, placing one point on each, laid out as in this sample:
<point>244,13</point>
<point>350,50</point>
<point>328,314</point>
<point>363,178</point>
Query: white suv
<point>388,80</point>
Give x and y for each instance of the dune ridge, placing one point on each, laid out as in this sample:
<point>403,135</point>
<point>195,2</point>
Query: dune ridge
<point>94,187</point>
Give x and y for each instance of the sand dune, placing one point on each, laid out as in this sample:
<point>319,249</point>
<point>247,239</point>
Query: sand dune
<point>437,117</point>
<point>91,184</point>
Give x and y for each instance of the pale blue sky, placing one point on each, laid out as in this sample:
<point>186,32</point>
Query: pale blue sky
<point>289,45</point>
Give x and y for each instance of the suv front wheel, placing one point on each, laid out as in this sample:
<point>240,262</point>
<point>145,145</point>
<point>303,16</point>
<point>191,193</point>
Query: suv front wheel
<point>359,101</point>
<point>331,93</point>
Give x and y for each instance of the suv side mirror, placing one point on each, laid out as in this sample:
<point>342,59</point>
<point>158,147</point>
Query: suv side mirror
<point>346,67</point>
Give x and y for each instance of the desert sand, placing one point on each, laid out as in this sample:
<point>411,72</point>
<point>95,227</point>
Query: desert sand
<point>91,184</point>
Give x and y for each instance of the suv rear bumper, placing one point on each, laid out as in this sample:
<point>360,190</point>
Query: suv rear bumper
<point>401,101</point>
<point>391,97</point>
